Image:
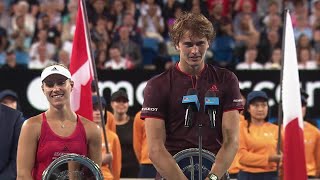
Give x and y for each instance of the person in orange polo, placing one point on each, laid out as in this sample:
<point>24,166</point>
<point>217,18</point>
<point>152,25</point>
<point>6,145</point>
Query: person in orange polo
<point>311,142</point>
<point>258,141</point>
<point>147,170</point>
<point>113,158</point>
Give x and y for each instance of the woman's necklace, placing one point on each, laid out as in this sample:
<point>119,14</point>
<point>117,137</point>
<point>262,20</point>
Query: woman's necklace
<point>62,125</point>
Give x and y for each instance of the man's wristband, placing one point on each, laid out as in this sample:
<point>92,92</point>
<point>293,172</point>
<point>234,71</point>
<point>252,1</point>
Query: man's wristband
<point>212,176</point>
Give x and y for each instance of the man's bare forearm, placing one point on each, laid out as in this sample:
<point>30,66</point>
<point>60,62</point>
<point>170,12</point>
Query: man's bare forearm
<point>225,157</point>
<point>166,165</point>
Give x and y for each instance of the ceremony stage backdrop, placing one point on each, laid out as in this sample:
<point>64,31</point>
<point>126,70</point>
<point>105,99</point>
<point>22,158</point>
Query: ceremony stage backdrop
<point>32,101</point>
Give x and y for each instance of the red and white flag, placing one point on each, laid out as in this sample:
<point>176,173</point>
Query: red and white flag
<point>294,163</point>
<point>81,68</point>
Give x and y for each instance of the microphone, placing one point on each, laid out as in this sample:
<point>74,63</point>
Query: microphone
<point>211,103</point>
<point>191,104</point>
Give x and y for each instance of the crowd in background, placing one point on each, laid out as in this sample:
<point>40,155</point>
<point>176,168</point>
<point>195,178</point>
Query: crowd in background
<point>133,34</point>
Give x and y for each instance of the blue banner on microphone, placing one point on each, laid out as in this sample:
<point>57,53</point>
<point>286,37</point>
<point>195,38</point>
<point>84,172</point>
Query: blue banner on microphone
<point>211,101</point>
<point>191,99</point>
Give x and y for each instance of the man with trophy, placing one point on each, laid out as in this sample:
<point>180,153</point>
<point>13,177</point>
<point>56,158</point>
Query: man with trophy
<point>192,106</point>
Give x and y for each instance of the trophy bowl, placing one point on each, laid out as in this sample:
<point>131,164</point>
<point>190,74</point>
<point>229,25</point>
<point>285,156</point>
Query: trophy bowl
<point>73,167</point>
<point>188,161</point>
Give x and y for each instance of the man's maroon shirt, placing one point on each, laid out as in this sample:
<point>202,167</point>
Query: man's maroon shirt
<point>163,100</point>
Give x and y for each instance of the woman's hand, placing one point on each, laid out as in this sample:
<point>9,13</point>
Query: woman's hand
<point>106,158</point>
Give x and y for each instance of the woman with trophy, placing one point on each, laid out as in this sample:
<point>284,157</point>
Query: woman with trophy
<point>56,132</point>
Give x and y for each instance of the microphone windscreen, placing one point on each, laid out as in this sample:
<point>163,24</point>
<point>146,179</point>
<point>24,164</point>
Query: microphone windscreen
<point>192,91</point>
<point>210,93</point>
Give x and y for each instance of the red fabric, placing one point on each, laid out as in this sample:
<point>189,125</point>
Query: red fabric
<point>225,6</point>
<point>81,69</point>
<point>293,156</point>
<point>52,146</point>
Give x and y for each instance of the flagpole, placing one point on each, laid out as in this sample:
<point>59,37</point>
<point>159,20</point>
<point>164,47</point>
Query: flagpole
<point>280,114</point>
<point>95,75</point>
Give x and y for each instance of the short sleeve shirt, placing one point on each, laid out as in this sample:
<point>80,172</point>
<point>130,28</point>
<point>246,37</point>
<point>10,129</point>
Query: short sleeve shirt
<point>163,100</point>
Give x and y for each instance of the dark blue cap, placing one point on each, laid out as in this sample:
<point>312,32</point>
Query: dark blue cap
<point>256,94</point>
<point>8,93</point>
<point>119,94</point>
<point>95,100</point>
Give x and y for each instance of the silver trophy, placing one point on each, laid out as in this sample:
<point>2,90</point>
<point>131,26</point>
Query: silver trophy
<point>72,167</point>
<point>188,161</point>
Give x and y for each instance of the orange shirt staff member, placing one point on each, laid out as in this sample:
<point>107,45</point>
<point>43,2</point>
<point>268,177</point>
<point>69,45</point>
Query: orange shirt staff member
<point>311,142</point>
<point>113,144</point>
<point>147,170</point>
<point>258,141</point>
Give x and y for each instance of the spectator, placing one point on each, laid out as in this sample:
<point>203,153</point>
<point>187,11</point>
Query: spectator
<point>9,98</point>
<point>69,20</point>
<point>197,6</point>
<point>151,23</point>
<point>21,33</point>
<point>53,11</point>
<point>246,7</point>
<point>114,156</point>
<point>99,31</point>
<point>22,9</point>
<point>271,37</point>
<point>275,61</point>
<point>129,49</point>
<point>96,9</point>
<point>304,59</point>
<point>54,29</point>
<point>130,7</point>
<point>250,61</point>
<point>42,37</point>
<point>169,9</point>
<point>64,57</point>
<point>304,42</point>
<point>314,18</point>
<point>11,121</point>
<point>245,34</point>
<point>316,43</point>
<point>3,44</point>
<point>124,130</point>
<point>116,61</point>
<point>130,23</point>
<point>116,11</point>
<point>224,44</point>
<point>272,9</point>
<point>258,140</point>
<point>226,7</point>
<point>42,60</point>
<point>216,14</point>
<point>300,10</point>
<point>5,18</point>
<point>11,61</point>
<point>302,27</point>
<point>100,59</point>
